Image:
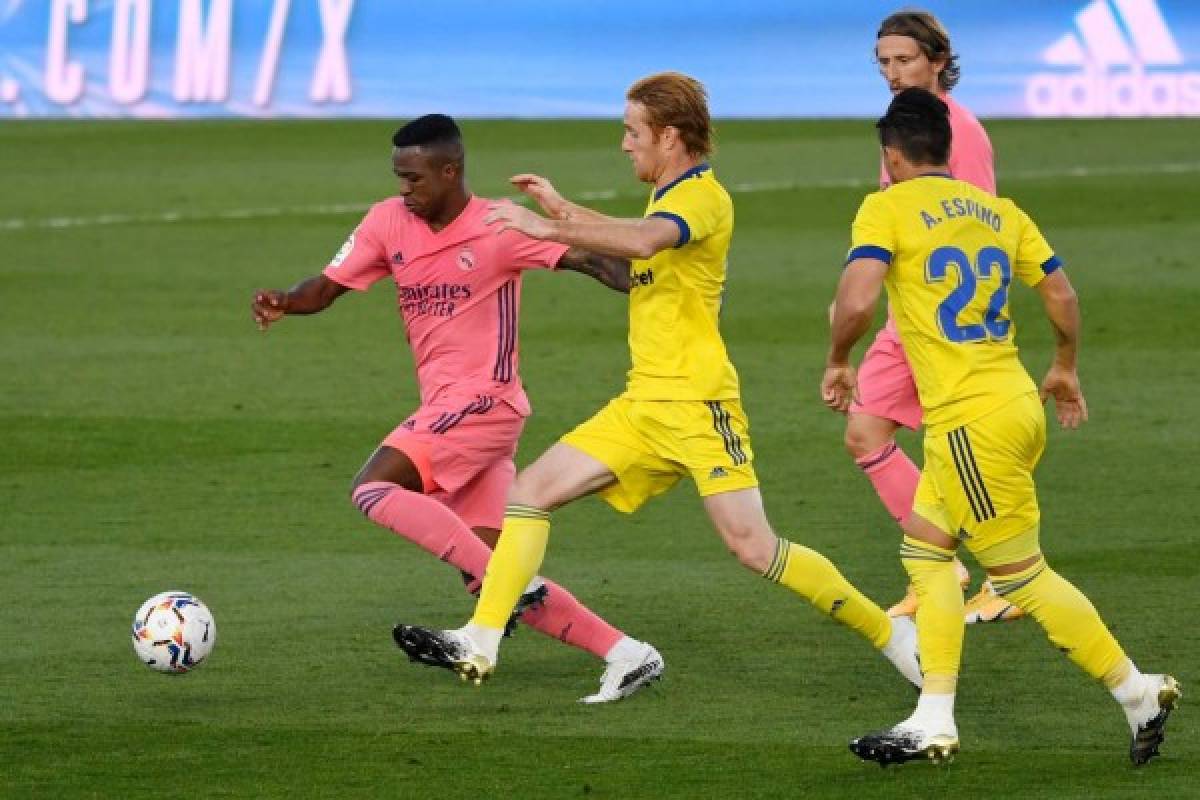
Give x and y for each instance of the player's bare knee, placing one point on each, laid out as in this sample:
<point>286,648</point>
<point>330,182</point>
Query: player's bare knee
<point>753,557</point>
<point>359,480</point>
<point>358,496</point>
<point>867,434</point>
<point>859,442</point>
<point>749,544</point>
<point>531,488</point>
<point>363,478</point>
<point>373,474</point>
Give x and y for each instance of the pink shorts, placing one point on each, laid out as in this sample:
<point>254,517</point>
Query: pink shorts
<point>463,446</point>
<point>885,383</point>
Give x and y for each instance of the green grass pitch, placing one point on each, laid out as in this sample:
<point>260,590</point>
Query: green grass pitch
<point>152,439</point>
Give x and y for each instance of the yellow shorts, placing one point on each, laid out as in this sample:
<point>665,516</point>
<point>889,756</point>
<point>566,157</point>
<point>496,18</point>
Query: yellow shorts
<point>977,484</point>
<point>650,445</point>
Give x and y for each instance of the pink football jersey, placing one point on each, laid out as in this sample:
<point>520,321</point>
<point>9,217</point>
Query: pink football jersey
<point>458,290</point>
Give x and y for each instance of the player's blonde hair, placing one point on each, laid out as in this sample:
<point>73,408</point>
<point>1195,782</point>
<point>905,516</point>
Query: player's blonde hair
<point>672,99</point>
<point>931,36</point>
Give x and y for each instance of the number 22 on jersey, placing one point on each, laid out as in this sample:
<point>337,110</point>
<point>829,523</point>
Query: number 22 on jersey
<point>994,323</point>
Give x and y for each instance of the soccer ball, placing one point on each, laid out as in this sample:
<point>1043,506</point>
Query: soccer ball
<point>173,632</point>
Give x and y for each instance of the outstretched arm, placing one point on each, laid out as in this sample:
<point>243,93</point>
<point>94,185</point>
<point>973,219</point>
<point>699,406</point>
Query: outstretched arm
<point>306,297</point>
<point>552,203</point>
<point>1062,379</point>
<point>851,315</point>
<point>623,238</point>
<point>612,271</point>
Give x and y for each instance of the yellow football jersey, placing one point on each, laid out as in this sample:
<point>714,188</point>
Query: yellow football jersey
<point>675,297</point>
<point>953,251</point>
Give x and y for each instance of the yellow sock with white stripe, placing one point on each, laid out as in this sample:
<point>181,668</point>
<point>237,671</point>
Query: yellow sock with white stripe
<point>816,579</point>
<point>517,558</point>
<point>939,612</point>
<point>1069,619</point>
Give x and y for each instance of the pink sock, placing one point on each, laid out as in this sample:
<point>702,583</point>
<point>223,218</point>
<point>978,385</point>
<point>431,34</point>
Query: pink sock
<point>436,529</point>
<point>570,621</point>
<point>563,617</point>
<point>425,522</point>
<point>894,476</point>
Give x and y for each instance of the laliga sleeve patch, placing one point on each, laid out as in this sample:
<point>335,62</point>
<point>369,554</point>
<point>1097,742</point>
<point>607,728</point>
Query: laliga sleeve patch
<point>344,252</point>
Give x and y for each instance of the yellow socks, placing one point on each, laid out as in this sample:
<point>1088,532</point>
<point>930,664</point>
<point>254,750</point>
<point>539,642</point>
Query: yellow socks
<point>517,558</point>
<point>939,612</point>
<point>816,579</point>
<point>1069,618</point>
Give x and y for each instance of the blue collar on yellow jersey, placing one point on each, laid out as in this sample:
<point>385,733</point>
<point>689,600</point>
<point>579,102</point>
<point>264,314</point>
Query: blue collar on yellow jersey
<point>691,173</point>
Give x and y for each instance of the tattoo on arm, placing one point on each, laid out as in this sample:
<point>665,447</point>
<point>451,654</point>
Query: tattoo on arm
<point>612,271</point>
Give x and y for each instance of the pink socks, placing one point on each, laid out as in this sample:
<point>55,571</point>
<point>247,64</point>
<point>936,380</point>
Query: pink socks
<point>894,476</point>
<point>425,522</point>
<point>436,529</point>
<point>570,621</point>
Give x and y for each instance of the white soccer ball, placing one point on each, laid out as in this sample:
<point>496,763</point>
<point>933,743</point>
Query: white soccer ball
<point>173,632</point>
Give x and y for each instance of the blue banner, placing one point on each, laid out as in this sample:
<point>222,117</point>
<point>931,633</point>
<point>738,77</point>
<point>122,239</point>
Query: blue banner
<point>556,58</point>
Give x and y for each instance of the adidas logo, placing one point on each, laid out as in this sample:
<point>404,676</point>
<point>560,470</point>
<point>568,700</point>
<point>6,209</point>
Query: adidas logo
<point>717,472</point>
<point>1122,60</point>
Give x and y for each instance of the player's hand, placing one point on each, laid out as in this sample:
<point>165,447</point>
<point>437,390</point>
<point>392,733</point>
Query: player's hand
<point>510,216</point>
<point>1063,385</point>
<point>268,306</point>
<point>838,387</point>
<point>542,192</point>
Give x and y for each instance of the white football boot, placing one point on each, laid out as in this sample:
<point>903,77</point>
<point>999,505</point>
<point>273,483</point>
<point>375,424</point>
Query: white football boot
<point>452,650</point>
<point>929,735</point>
<point>1148,718</point>
<point>624,676</point>
<point>907,742</point>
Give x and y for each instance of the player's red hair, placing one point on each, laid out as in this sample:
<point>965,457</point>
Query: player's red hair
<point>675,100</point>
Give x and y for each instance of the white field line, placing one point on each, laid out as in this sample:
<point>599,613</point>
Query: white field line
<point>165,217</point>
<point>18,223</point>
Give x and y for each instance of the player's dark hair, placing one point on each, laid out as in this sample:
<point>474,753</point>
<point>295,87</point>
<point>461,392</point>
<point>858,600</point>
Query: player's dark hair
<point>918,123</point>
<point>930,36</point>
<point>679,101</point>
<point>434,131</point>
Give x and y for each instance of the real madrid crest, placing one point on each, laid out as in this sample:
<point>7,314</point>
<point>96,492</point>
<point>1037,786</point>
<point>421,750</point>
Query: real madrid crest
<point>466,259</point>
